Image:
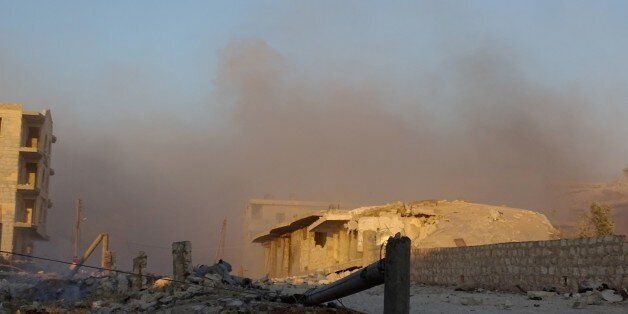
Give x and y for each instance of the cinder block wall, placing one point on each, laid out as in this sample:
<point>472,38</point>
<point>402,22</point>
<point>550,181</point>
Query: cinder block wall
<point>561,264</point>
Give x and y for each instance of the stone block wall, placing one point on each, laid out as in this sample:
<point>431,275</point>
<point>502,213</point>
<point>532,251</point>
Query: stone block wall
<point>561,264</point>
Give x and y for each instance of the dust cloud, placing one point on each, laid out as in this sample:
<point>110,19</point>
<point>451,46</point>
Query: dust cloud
<point>478,129</point>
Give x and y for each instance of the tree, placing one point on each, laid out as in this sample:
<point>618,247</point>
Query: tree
<point>597,222</point>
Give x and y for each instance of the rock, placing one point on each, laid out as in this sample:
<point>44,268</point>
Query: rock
<point>213,277</point>
<point>471,301</point>
<point>180,295</point>
<point>151,297</point>
<point>578,305</point>
<point>540,295</point>
<point>107,286</point>
<point>465,287</point>
<point>593,298</point>
<point>166,299</point>
<point>235,303</point>
<point>194,279</point>
<point>146,305</point>
<point>193,289</point>
<point>123,283</point>
<point>162,284</point>
<point>98,304</point>
<point>506,305</point>
<point>589,285</point>
<point>610,296</point>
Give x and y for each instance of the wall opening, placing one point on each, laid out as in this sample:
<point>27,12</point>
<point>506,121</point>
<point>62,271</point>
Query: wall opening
<point>256,211</point>
<point>280,217</point>
<point>31,173</point>
<point>320,238</point>
<point>32,140</point>
<point>29,209</point>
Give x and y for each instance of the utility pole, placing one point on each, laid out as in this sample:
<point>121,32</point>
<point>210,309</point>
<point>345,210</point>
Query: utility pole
<point>221,244</point>
<point>77,231</point>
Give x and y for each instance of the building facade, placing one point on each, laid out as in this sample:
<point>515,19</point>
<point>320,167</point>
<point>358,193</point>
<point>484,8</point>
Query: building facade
<point>25,147</point>
<point>331,240</point>
<point>261,214</point>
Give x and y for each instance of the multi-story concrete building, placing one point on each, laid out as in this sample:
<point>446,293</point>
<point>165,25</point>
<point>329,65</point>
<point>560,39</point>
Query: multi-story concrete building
<point>25,147</point>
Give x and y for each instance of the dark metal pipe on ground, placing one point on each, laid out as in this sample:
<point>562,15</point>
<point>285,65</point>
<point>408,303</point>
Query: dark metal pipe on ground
<point>370,276</point>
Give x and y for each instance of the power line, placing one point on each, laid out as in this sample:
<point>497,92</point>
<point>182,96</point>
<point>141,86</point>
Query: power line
<point>126,272</point>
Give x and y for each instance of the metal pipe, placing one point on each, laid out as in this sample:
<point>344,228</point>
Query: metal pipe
<point>86,255</point>
<point>370,276</point>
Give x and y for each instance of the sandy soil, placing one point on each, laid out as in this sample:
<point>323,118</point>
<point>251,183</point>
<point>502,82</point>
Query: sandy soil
<point>431,299</point>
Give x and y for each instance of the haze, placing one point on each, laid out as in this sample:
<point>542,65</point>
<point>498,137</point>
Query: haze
<point>169,117</point>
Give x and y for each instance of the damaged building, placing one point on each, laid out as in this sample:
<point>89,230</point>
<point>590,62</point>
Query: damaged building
<point>333,240</point>
<point>25,147</point>
<point>262,214</point>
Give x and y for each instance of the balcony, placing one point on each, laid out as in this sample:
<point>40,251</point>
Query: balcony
<point>32,153</point>
<point>27,189</point>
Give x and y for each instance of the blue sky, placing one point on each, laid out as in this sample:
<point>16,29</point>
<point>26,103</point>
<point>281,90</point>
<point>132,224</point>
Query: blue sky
<point>68,47</point>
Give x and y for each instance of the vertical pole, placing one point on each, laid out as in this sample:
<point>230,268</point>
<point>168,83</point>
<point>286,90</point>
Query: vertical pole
<point>77,230</point>
<point>181,260</point>
<point>397,275</point>
<point>221,242</point>
<point>139,263</point>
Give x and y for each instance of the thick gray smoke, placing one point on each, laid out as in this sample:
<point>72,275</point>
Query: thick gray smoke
<point>479,130</point>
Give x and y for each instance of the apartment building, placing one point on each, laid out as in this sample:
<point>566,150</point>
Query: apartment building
<point>25,147</point>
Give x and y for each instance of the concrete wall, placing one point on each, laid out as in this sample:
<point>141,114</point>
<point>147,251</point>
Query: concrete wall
<point>562,264</point>
<point>10,139</point>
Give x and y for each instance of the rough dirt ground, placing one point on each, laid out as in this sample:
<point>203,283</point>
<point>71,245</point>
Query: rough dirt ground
<point>432,299</point>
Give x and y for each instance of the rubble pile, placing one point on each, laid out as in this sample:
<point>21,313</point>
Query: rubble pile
<point>313,279</point>
<point>209,289</point>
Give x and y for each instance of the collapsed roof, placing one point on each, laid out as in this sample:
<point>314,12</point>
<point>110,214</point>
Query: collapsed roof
<point>432,223</point>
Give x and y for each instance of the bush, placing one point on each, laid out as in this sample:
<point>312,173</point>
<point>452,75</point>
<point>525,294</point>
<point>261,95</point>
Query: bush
<point>597,222</point>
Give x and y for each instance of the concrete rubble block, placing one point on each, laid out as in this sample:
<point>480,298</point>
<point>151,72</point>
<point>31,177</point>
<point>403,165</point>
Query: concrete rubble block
<point>540,295</point>
<point>610,296</point>
<point>181,260</point>
<point>592,298</point>
<point>162,284</point>
<point>471,301</point>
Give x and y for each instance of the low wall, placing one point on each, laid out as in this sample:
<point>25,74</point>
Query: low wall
<point>561,264</point>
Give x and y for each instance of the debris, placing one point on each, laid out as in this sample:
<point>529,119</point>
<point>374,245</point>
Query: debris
<point>578,305</point>
<point>540,295</point>
<point>162,284</point>
<point>593,298</point>
<point>610,296</point>
<point>471,301</point>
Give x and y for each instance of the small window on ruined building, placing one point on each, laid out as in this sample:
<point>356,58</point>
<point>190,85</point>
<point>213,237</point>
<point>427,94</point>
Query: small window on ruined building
<point>280,217</point>
<point>29,209</point>
<point>320,238</point>
<point>256,211</point>
<point>31,174</point>
<point>304,234</point>
<point>0,124</point>
<point>33,137</point>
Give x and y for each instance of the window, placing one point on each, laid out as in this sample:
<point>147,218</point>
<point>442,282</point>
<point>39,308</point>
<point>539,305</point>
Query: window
<point>320,238</point>
<point>29,209</point>
<point>304,233</point>
<point>33,137</point>
<point>31,174</point>
<point>256,211</point>
<point>280,217</point>
<point>0,124</point>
